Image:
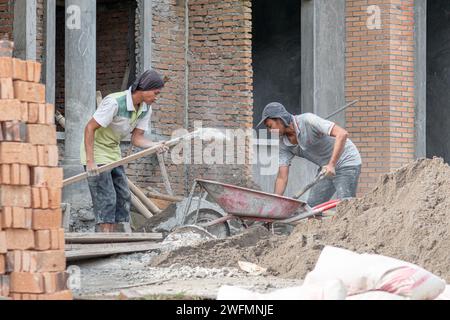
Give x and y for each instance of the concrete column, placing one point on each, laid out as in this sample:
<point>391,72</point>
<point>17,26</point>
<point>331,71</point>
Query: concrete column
<point>50,47</point>
<point>323,57</point>
<point>25,29</point>
<point>420,35</point>
<point>80,87</point>
<point>146,36</point>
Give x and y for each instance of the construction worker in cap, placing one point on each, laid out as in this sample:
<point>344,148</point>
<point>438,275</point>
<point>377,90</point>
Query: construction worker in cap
<point>117,116</point>
<point>320,141</point>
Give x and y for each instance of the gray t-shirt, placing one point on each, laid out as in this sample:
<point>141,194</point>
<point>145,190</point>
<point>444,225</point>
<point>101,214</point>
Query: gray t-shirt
<point>316,144</point>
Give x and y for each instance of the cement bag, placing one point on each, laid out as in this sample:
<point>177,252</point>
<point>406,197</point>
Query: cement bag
<point>334,290</point>
<point>335,263</point>
<point>445,295</point>
<point>376,295</point>
<point>368,272</point>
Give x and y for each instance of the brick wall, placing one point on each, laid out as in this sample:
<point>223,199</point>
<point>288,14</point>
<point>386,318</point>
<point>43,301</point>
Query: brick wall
<point>380,73</point>
<point>221,77</point>
<point>168,60</point>
<point>219,86</point>
<point>6,17</point>
<point>115,24</point>
<point>7,22</point>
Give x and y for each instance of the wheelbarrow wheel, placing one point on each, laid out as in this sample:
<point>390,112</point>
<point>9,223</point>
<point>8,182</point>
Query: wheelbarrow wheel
<point>220,230</point>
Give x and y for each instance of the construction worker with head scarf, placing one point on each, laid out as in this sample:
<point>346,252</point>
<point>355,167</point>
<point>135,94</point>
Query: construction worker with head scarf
<point>118,115</point>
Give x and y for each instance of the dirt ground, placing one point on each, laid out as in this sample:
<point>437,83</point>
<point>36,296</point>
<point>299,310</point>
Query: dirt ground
<point>406,216</point>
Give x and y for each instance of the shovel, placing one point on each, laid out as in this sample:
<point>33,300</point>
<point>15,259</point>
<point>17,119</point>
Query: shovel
<point>319,178</point>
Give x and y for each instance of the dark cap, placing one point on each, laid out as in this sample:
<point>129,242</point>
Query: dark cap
<point>276,110</point>
<point>149,80</point>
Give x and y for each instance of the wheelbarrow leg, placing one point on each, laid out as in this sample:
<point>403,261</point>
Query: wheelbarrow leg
<point>188,204</point>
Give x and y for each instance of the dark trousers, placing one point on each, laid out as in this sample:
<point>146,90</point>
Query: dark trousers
<point>111,196</point>
<point>344,184</point>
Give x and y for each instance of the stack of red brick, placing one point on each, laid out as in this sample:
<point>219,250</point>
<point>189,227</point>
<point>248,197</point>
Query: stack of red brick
<point>32,260</point>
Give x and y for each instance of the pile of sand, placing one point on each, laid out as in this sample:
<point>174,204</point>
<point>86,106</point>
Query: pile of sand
<point>407,216</point>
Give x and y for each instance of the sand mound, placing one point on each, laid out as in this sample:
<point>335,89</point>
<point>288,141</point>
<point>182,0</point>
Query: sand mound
<point>407,216</point>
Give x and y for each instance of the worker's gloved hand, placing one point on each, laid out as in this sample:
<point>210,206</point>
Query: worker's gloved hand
<point>329,171</point>
<point>92,169</point>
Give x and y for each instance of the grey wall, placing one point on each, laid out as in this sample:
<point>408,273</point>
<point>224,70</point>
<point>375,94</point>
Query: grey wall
<point>420,75</point>
<point>438,79</point>
<point>276,54</point>
<point>322,76</point>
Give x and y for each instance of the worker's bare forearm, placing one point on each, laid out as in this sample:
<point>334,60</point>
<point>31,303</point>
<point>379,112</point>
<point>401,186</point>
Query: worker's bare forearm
<point>280,186</point>
<point>141,142</point>
<point>339,146</point>
<point>89,134</point>
<point>282,180</point>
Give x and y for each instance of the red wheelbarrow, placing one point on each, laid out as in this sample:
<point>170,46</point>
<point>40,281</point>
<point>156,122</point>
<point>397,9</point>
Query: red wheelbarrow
<point>244,204</point>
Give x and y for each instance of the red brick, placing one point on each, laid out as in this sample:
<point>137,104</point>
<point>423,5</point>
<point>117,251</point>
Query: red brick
<point>2,264</point>
<point>4,286</point>
<point>10,110</point>
<point>36,199</point>
<point>46,219</point>
<point>29,92</point>
<point>15,174</point>
<point>31,261</point>
<point>24,109</point>
<point>50,113</point>
<point>13,196</point>
<point>19,69</point>
<point>55,281</point>
<point>43,193</point>
<point>37,72</point>
<point>54,198</point>
<point>24,175</point>
<point>48,156</point>
<point>6,67</point>
<point>33,113</point>
<point>14,152</point>
<point>5,174</point>
<point>11,131</point>
<point>42,113</point>
<point>41,134</point>
<point>30,70</point>
<point>18,239</point>
<point>21,282</point>
<point>47,177</point>
<point>3,244</point>
<point>42,240</point>
<point>58,296</point>
<point>6,88</point>
<point>6,217</point>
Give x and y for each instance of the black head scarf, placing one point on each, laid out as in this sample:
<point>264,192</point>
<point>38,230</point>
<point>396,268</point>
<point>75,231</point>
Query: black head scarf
<point>149,80</point>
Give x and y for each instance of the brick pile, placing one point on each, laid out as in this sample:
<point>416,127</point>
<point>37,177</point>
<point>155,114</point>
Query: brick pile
<point>32,259</point>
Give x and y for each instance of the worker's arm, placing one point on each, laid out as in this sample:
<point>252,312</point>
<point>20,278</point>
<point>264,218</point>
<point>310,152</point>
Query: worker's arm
<point>139,140</point>
<point>89,134</point>
<point>341,136</point>
<point>282,180</point>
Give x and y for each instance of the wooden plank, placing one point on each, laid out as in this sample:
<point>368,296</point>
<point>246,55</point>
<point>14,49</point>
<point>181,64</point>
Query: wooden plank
<point>143,198</point>
<point>141,154</point>
<point>164,197</point>
<point>99,251</point>
<point>162,167</point>
<point>110,237</point>
<point>140,207</point>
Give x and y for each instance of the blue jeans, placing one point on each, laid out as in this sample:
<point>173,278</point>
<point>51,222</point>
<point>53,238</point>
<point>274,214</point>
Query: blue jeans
<point>344,184</point>
<point>111,196</point>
